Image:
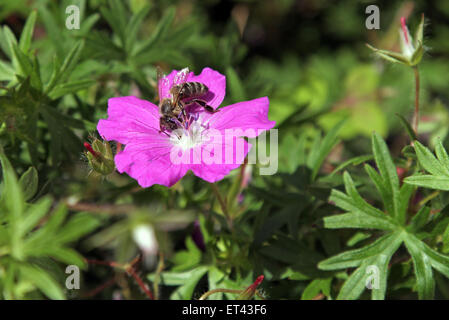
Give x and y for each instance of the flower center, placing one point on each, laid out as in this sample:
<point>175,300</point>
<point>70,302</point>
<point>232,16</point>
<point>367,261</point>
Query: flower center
<point>190,134</point>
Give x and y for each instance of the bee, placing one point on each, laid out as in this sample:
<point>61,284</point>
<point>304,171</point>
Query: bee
<point>182,94</point>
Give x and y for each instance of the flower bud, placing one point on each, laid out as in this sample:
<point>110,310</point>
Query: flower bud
<point>249,292</point>
<point>100,157</point>
<point>411,50</point>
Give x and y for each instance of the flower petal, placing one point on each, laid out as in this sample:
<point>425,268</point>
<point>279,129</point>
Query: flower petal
<point>244,115</point>
<point>216,82</point>
<point>129,118</point>
<point>212,172</point>
<point>149,163</point>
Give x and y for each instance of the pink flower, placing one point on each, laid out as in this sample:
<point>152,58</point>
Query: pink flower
<point>202,141</point>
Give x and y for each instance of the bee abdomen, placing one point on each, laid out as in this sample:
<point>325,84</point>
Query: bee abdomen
<point>193,90</point>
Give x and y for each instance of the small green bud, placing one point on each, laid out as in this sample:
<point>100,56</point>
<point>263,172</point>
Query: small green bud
<point>100,157</point>
<point>412,51</point>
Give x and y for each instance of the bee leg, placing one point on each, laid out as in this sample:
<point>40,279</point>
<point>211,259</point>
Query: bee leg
<point>203,104</point>
<point>162,126</point>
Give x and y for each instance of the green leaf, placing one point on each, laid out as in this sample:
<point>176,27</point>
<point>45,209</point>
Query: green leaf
<point>6,71</point>
<point>407,126</point>
<point>419,34</point>
<point>161,31</point>
<point>389,55</point>
<point>186,281</point>
<point>34,214</point>
<point>187,259</point>
<point>133,26</point>
<point>438,167</point>
<point>429,162</point>
<point>442,155</point>
<point>27,67</point>
<point>28,182</point>
<point>27,32</point>
<point>319,153</point>
<point>70,87</point>
<point>361,214</point>
<point>236,87</point>
<point>67,256</point>
<point>78,226</point>
<point>377,254</point>
<point>8,42</point>
<point>354,161</point>
<point>387,171</point>
<point>423,268</point>
<point>11,195</point>
<point>42,280</point>
<point>419,219</point>
<point>315,287</point>
<point>385,192</point>
<point>428,181</point>
<point>61,74</point>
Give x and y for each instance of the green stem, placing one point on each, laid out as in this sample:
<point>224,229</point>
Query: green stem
<point>211,292</point>
<point>428,198</point>
<point>208,293</point>
<point>416,115</point>
<point>223,205</point>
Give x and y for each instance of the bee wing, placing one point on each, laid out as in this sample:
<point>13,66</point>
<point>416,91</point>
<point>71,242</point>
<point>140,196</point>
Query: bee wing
<point>181,76</point>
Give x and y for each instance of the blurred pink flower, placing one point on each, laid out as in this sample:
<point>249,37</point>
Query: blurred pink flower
<point>203,138</point>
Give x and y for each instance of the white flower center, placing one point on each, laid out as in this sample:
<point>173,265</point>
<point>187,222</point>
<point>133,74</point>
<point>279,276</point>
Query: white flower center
<point>192,135</point>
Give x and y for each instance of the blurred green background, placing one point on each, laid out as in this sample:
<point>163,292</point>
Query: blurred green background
<point>308,56</point>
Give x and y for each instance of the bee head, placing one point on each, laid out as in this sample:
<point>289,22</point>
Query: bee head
<point>166,106</point>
